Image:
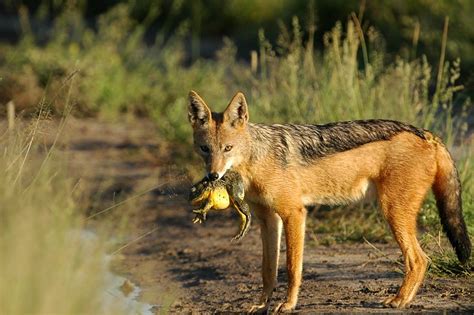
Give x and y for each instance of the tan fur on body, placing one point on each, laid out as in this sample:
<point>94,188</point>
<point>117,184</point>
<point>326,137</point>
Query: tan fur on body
<point>280,177</point>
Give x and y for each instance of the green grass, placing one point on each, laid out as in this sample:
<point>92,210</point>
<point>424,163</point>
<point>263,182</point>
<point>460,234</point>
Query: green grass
<point>116,75</point>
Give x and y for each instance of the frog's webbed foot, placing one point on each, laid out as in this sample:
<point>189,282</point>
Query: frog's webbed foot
<point>198,219</point>
<point>201,215</point>
<point>245,218</point>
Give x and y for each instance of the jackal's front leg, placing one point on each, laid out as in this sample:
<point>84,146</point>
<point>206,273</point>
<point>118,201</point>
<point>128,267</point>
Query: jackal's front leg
<point>270,229</point>
<point>294,225</point>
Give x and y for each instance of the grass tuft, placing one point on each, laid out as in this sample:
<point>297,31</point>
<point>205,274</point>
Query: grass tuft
<point>50,264</point>
<point>447,264</point>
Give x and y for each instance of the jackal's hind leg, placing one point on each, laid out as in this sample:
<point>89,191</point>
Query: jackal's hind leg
<point>402,221</point>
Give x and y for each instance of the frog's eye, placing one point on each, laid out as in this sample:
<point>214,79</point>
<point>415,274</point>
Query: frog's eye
<point>228,148</point>
<point>204,148</point>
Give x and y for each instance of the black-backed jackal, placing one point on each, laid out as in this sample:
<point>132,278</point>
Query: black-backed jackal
<point>286,166</point>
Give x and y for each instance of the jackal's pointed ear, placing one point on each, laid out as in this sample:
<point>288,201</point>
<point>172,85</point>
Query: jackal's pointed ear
<point>198,113</point>
<point>237,112</point>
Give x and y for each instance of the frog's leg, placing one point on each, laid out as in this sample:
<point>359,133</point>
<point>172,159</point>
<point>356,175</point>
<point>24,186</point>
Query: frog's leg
<point>245,218</point>
<point>199,218</point>
<point>201,214</point>
<point>235,187</point>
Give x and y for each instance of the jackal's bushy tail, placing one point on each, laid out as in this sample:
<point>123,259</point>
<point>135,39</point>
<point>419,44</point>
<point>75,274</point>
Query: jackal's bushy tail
<point>447,191</point>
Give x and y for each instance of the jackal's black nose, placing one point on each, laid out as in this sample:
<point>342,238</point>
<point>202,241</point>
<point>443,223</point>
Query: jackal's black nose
<point>213,176</point>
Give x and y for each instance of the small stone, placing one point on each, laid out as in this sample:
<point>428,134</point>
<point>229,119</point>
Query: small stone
<point>187,251</point>
<point>127,287</point>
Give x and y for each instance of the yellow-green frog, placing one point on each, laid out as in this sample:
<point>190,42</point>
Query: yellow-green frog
<point>219,195</point>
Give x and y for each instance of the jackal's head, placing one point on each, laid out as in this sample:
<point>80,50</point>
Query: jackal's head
<point>220,138</point>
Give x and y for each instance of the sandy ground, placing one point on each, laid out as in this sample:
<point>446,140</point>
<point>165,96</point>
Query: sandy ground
<point>189,268</point>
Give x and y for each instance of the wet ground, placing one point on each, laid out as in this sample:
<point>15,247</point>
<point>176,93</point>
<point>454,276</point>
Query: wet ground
<point>182,267</point>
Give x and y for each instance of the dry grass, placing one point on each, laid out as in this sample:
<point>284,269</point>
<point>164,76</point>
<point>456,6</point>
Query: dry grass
<point>48,264</point>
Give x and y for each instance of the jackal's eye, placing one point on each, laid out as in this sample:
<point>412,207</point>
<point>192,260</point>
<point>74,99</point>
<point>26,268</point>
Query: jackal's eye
<point>204,148</point>
<point>228,148</point>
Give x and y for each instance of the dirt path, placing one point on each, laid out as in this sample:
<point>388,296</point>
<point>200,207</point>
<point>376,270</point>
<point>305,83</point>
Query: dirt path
<point>183,267</point>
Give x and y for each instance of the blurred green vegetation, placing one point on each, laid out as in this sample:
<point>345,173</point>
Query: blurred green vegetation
<point>116,72</point>
<point>411,28</point>
<point>291,78</point>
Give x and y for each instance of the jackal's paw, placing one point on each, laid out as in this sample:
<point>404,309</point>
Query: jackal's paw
<point>395,302</point>
<point>261,308</point>
<point>285,307</point>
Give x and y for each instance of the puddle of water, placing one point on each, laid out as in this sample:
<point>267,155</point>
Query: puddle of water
<point>124,294</point>
<point>120,293</point>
